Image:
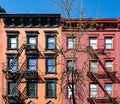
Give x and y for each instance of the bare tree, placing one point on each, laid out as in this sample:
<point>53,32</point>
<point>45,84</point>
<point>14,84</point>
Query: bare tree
<point>73,76</point>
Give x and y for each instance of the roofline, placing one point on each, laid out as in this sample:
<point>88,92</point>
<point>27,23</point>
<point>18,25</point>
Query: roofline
<point>28,15</point>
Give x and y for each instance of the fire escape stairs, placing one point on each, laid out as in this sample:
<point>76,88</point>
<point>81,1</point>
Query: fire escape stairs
<point>93,76</point>
<point>94,55</point>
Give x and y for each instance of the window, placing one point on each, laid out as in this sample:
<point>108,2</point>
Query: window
<point>93,42</point>
<point>50,42</point>
<point>109,65</point>
<point>12,64</point>
<point>32,42</point>
<point>31,89</point>
<point>93,90</point>
<point>50,88</point>
<point>69,90</point>
<point>12,90</point>
<point>12,42</point>
<point>32,64</point>
<point>71,42</point>
<point>93,66</point>
<point>31,102</point>
<point>108,88</point>
<point>70,65</point>
<point>50,65</point>
<point>108,43</point>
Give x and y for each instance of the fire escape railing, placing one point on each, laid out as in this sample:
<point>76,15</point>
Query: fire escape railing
<point>23,71</point>
<point>94,78</point>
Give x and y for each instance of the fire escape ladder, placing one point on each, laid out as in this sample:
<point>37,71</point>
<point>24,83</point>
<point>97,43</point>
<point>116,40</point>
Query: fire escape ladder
<point>16,56</point>
<point>17,83</point>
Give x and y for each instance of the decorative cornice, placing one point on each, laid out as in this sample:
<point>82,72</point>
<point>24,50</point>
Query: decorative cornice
<point>90,24</point>
<point>31,20</point>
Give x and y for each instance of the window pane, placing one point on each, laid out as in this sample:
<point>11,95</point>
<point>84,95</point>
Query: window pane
<point>93,90</point>
<point>32,40</point>
<point>108,88</point>
<point>108,42</point>
<point>93,66</point>
<point>32,64</point>
<point>51,43</point>
<point>70,65</point>
<point>50,65</point>
<point>13,42</point>
<point>69,89</point>
<point>108,65</point>
<point>93,42</point>
<point>50,89</point>
<point>71,42</point>
<point>31,89</point>
<point>11,86</point>
<point>12,64</point>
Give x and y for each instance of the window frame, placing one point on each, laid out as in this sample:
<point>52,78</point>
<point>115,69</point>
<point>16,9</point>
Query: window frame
<point>111,91</point>
<point>32,34</point>
<point>90,67</point>
<point>28,64</point>
<point>69,90</point>
<point>9,57</point>
<point>106,37</point>
<point>48,81</point>
<point>93,90</point>
<point>9,46</point>
<point>94,44</point>
<point>47,43</point>
<point>109,68</point>
<point>49,34</point>
<point>71,44</point>
<point>51,57</point>
<point>70,69</point>
<point>9,89</point>
<point>35,89</point>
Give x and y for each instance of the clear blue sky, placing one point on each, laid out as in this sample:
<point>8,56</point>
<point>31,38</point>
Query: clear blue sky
<point>92,8</point>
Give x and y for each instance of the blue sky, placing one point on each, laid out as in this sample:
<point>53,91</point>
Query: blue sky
<point>92,8</point>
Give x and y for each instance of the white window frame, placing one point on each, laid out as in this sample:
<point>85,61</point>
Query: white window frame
<point>93,42</point>
<point>93,90</point>
<point>108,42</point>
<point>93,66</point>
<point>71,42</point>
<point>69,90</point>
<point>109,65</point>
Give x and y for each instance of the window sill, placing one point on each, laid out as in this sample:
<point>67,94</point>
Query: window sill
<point>12,49</point>
<point>50,73</point>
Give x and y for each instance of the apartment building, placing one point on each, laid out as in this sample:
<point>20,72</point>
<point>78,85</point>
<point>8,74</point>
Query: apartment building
<point>91,47</point>
<point>46,59</point>
<point>29,74</point>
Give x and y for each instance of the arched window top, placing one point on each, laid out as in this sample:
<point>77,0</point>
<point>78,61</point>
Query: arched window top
<point>31,102</point>
<point>50,102</point>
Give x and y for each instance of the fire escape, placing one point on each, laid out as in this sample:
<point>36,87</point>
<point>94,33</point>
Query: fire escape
<point>97,78</point>
<point>22,75</point>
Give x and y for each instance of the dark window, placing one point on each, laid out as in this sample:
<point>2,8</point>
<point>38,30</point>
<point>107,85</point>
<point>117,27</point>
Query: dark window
<point>12,64</point>
<point>50,88</point>
<point>12,89</point>
<point>70,65</point>
<point>50,65</point>
<point>12,42</point>
<point>50,42</point>
<point>31,89</point>
<point>32,64</point>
